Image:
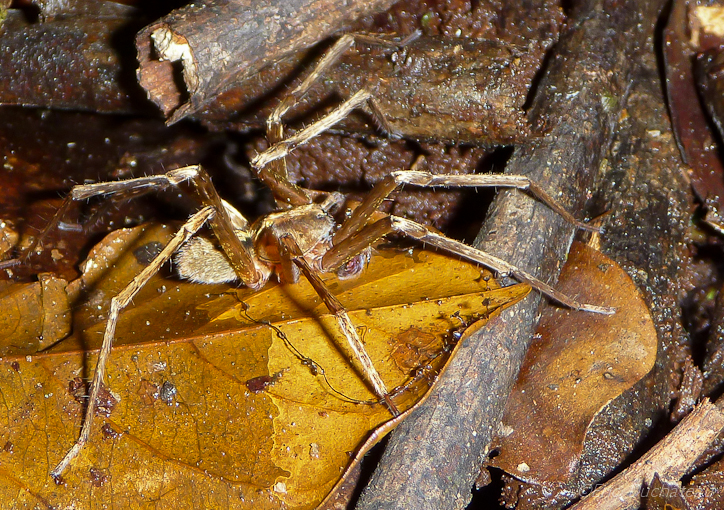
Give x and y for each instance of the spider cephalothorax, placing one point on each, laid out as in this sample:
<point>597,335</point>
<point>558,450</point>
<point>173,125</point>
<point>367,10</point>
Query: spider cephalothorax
<point>262,238</point>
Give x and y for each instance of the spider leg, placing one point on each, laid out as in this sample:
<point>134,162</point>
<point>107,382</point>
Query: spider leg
<point>343,44</point>
<point>284,147</point>
<point>365,237</point>
<point>270,166</point>
<point>118,303</point>
<point>57,219</point>
<point>362,214</point>
<point>274,173</point>
<point>225,223</point>
<point>291,250</point>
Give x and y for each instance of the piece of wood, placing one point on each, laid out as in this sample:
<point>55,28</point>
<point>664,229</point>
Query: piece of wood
<point>433,459</point>
<point>691,126</point>
<point>431,89</point>
<point>671,458</point>
<point>646,224</point>
<point>219,42</point>
<point>435,88</point>
<point>69,63</point>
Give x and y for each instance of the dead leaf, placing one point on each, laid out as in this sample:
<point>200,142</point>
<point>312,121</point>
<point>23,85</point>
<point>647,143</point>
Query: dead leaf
<point>342,493</point>
<point>8,238</point>
<point>33,316</point>
<point>186,430</point>
<point>576,364</point>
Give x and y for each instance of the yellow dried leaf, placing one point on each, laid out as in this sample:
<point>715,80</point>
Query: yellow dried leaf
<point>33,316</point>
<point>208,406</point>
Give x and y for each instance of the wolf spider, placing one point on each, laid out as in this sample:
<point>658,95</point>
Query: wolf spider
<point>302,236</point>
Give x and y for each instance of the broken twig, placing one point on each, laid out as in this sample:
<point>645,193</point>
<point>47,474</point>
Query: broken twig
<point>671,458</point>
<point>219,42</point>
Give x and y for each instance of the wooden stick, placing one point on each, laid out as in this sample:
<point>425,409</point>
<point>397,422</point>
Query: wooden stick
<point>82,47</point>
<point>434,457</point>
<point>471,91</point>
<point>219,42</point>
<point>671,458</point>
<point>425,106</point>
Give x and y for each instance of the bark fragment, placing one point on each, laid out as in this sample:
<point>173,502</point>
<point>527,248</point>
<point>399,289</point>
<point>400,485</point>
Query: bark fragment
<point>671,459</point>
<point>648,206</point>
<point>432,89</point>
<point>69,63</point>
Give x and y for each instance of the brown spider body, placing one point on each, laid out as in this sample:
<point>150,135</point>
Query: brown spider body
<point>313,239</point>
<point>311,227</point>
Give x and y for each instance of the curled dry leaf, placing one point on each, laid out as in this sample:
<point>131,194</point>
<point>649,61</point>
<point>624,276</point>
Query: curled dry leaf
<point>694,135</point>
<point>209,406</point>
<point>8,238</point>
<point>576,364</point>
<point>33,316</point>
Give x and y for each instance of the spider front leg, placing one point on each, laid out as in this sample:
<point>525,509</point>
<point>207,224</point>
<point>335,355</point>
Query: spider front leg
<point>395,224</point>
<point>118,303</point>
<point>362,214</point>
<point>270,166</point>
<point>357,234</point>
<point>228,225</point>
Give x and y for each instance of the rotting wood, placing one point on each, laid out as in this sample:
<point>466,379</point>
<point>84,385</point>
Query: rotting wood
<point>691,126</point>
<point>432,89</point>
<point>69,63</point>
<point>646,233</point>
<point>714,360</point>
<point>646,225</point>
